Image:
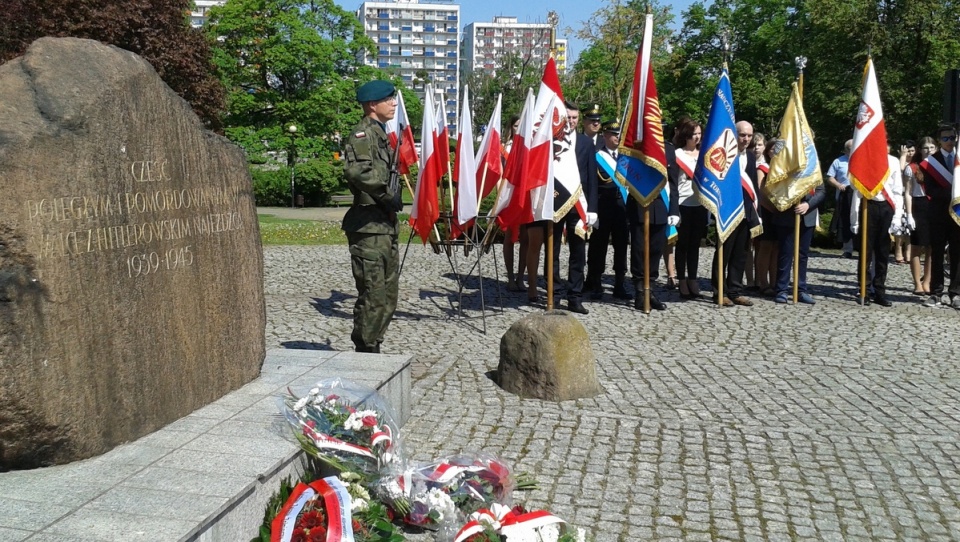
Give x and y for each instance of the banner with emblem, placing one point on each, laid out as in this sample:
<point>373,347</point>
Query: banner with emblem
<point>794,165</point>
<point>869,168</point>
<point>642,161</point>
<point>717,176</point>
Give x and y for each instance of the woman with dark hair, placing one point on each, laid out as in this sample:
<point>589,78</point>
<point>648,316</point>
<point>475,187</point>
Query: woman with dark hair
<point>693,215</point>
<point>901,239</point>
<point>765,245</point>
<point>917,210</point>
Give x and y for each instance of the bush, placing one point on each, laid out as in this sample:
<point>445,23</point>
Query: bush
<point>271,187</point>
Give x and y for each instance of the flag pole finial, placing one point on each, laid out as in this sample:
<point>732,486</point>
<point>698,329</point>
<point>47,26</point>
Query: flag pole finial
<point>725,41</point>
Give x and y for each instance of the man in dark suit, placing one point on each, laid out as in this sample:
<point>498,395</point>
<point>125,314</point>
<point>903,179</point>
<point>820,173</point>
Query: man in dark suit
<point>736,246</point>
<point>575,186</point>
<point>784,223</point>
<point>661,214</point>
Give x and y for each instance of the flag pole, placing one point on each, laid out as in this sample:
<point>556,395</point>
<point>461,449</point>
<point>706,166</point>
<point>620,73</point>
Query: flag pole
<point>801,63</point>
<point>720,277</point>
<point>646,264</point>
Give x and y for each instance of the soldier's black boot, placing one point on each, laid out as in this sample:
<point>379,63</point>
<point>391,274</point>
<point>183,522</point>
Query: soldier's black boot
<point>376,349</point>
<point>575,305</point>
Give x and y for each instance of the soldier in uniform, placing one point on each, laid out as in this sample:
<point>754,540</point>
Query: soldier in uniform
<point>611,221</point>
<point>371,222</point>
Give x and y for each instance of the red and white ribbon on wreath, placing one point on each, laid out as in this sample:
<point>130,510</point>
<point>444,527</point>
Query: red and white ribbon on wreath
<point>382,434</point>
<point>326,442</point>
<point>516,524</point>
<point>505,522</point>
<point>336,502</point>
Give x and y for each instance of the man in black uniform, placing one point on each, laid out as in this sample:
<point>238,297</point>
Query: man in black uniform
<point>371,222</point>
<point>591,125</point>
<point>611,220</point>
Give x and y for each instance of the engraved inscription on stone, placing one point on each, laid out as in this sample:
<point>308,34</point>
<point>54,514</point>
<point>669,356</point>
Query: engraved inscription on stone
<point>131,275</point>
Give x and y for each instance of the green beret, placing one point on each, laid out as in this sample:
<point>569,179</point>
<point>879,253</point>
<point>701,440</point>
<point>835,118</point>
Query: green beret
<point>612,126</point>
<point>592,111</point>
<point>375,90</point>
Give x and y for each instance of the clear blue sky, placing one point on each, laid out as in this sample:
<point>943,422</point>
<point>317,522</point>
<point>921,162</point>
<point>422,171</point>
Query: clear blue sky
<point>572,13</point>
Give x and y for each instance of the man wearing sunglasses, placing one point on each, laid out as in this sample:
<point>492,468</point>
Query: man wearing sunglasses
<point>938,169</point>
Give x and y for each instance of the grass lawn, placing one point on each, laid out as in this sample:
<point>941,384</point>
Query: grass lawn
<point>284,231</point>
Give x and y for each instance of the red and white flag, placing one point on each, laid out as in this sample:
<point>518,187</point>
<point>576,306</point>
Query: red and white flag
<point>869,167</point>
<point>465,170</point>
<point>537,170</point>
<point>443,135</point>
<point>511,206</point>
<point>489,163</point>
<point>401,123</point>
<point>426,208</point>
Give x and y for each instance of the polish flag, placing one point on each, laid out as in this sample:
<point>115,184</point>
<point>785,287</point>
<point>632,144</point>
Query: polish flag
<point>400,123</point>
<point>537,170</point>
<point>511,207</point>
<point>426,208</point>
<point>465,170</point>
<point>443,134</point>
<point>869,167</point>
<point>489,164</point>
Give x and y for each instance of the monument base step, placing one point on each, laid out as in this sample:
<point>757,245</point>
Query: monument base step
<point>206,477</point>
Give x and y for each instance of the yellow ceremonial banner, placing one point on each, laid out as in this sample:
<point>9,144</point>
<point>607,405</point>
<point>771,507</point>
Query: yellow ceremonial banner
<point>794,165</point>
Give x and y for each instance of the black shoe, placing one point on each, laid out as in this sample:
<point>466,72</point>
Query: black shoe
<point>882,301</point>
<point>620,291</point>
<point>655,303</point>
<point>575,305</point>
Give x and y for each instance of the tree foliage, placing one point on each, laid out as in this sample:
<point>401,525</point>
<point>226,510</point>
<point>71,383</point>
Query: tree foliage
<point>157,30</point>
<point>913,43</point>
<point>292,63</point>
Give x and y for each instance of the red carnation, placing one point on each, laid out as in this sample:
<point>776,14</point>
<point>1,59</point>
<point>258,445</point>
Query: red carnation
<point>370,421</point>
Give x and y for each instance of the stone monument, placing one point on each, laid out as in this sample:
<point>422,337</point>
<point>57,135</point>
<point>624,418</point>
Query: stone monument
<point>131,272</point>
<point>548,356</point>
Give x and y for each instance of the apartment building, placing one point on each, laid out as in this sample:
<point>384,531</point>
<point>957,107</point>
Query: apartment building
<point>420,40</point>
<point>198,16</point>
<point>486,42</point>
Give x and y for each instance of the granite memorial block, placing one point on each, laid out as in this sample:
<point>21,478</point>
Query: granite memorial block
<point>131,272</point>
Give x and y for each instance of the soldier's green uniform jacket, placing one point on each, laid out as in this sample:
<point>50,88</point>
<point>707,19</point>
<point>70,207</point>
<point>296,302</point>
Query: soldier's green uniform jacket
<point>367,170</point>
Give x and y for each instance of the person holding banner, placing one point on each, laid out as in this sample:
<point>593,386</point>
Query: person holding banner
<point>938,170</point>
<point>693,215</point>
<point>737,244</point>
<point>883,210</point>
<point>661,214</point>
<point>783,224</point>
<point>611,220</point>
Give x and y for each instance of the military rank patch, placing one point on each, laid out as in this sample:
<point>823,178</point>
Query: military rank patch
<point>360,135</point>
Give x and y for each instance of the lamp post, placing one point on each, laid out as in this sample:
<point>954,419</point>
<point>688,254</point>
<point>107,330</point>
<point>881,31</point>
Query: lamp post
<point>292,159</point>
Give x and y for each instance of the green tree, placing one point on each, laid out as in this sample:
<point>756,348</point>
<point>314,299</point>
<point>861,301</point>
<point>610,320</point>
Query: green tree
<point>603,73</point>
<point>291,62</point>
<point>157,30</point>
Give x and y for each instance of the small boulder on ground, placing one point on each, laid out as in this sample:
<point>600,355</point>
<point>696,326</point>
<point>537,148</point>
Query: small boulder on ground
<point>548,356</point>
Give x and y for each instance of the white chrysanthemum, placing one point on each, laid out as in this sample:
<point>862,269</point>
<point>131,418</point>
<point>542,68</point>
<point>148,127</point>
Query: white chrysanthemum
<point>355,421</point>
<point>315,391</point>
<point>301,404</point>
<point>358,505</point>
<point>439,501</point>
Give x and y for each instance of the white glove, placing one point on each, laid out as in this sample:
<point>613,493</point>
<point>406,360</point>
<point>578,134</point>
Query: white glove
<point>895,225</point>
<point>911,223</point>
<point>673,220</point>
<point>854,228</point>
<point>592,220</point>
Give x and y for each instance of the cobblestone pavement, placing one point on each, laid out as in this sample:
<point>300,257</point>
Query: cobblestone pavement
<point>824,422</point>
